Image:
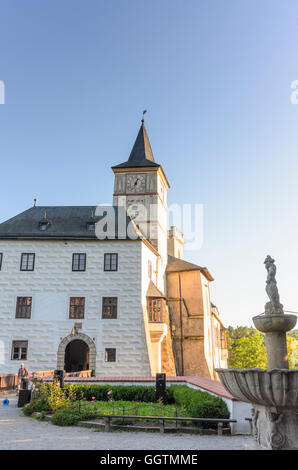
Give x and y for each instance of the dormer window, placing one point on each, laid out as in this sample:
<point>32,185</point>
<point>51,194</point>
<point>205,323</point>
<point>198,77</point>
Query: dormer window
<point>44,223</point>
<point>91,223</point>
<point>90,226</point>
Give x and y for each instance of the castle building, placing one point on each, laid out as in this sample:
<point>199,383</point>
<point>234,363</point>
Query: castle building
<point>75,295</point>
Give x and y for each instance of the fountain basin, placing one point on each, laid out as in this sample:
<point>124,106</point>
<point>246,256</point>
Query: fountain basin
<point>276,388</point>
<point>275,323</point>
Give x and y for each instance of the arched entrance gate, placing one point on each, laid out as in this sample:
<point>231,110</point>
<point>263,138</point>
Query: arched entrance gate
<point>76,352</point>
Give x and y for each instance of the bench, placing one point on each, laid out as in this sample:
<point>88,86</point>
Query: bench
<point>161,419</point>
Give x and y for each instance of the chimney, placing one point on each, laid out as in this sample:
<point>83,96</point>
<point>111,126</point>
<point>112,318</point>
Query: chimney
<point>175,242</point>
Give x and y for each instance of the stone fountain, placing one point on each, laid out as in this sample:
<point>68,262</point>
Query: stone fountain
<point>273,392</point>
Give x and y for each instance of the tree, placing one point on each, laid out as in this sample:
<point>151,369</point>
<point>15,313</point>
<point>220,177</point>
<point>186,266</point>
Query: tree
<point>292,345</point>
<point>246,348</point>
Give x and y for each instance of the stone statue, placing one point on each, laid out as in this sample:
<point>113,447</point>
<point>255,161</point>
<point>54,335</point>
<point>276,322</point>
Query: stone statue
<point>274,306</point>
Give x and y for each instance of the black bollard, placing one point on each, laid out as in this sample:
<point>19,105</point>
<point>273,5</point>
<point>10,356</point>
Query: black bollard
<point>161,388</point>
<point>59,374</point>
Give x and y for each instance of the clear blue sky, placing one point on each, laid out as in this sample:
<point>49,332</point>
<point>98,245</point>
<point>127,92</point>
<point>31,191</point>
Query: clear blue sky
<point>215,77</point>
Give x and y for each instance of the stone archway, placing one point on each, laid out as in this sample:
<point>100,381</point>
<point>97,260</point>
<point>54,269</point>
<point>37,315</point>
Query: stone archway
<point>67,340</point>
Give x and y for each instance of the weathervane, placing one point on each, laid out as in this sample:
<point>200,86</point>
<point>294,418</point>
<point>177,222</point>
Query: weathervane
<point>144,112</point>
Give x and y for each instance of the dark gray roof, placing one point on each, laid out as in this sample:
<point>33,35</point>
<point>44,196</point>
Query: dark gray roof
<point>66,222</point>
<point>141,154</point>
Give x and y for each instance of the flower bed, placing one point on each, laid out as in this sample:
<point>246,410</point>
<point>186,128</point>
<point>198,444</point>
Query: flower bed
<point>78,402</point>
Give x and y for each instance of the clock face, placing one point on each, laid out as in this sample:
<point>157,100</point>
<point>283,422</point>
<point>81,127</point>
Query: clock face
<point>136,183</point>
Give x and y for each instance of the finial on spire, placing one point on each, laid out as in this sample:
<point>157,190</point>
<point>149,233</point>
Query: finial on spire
<point>144,112</point>
<point>34,202</point>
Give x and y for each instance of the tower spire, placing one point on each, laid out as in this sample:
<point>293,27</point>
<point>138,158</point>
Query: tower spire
<point>141,154</point>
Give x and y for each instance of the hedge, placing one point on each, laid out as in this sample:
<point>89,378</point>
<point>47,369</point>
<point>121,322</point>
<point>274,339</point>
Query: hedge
<point>119,392</point>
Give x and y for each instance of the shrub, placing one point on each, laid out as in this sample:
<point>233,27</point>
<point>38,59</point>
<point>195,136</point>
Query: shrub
<point>34,406</point>
<point>200,404</point>
<point>69,416</point>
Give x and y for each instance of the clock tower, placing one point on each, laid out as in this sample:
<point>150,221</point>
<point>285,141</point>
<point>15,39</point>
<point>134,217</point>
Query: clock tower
<point>141,187</point>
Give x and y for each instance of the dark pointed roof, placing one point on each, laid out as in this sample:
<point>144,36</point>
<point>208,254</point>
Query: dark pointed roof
<point>179,265</point>
<point>141,154</point>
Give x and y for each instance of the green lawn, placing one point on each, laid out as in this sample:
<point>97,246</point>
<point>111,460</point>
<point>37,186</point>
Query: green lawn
<point>132,408</point>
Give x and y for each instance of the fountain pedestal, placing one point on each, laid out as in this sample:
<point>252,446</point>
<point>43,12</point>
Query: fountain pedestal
<point>275,429</point>
<point>275,327</point>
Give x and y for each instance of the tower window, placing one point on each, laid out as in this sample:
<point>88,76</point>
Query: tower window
<point>19,350</point>
<point>111,262</point>
<point>110,355</point>
<point>1,258</point>
<point>23,308</point>
<point>76,307</point>
<point>27,262</point>
<point>79,262</point>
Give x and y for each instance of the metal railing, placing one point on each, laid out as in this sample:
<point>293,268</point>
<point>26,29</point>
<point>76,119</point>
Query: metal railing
<point>8,382</point>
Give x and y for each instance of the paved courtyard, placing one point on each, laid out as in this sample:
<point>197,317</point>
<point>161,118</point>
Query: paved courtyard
<point>20,432</point>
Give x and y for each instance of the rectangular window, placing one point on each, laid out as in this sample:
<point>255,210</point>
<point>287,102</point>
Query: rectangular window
<point>77,307</point>
<point>23,309</point>
<point>19,350</point>
<point>155,310</point>
<point>1,258</point>
<point>149,269</point>
<point>223,338</point>
<point>79,262</point>
<point>27,261</point>
<point>111,262</point>
<point>110,355</point>
<point>109,307</point>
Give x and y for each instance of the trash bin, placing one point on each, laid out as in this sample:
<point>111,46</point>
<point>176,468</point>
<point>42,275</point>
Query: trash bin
<point>24,397</point>
<point>25,383</point>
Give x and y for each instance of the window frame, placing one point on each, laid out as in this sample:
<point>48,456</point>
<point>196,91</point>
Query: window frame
<point>79,262</point>
<point>20,307</point>
<point>18,343</point>
<point>113,351</point>
<point>112,307</point>
<point>105,264</point>
<point>155,316</point>
<point>79,305</point>
<point>33,262</point>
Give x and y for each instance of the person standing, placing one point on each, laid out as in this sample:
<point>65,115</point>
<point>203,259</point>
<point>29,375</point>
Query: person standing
<point>22,374</point>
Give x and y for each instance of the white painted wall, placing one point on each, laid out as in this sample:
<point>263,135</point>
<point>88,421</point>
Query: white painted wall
<point>53,282</point>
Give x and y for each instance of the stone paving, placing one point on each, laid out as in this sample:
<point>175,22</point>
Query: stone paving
<point>20,432</point>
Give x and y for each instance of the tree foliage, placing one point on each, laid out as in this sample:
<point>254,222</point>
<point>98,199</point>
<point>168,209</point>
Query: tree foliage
<point>247,350</point>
